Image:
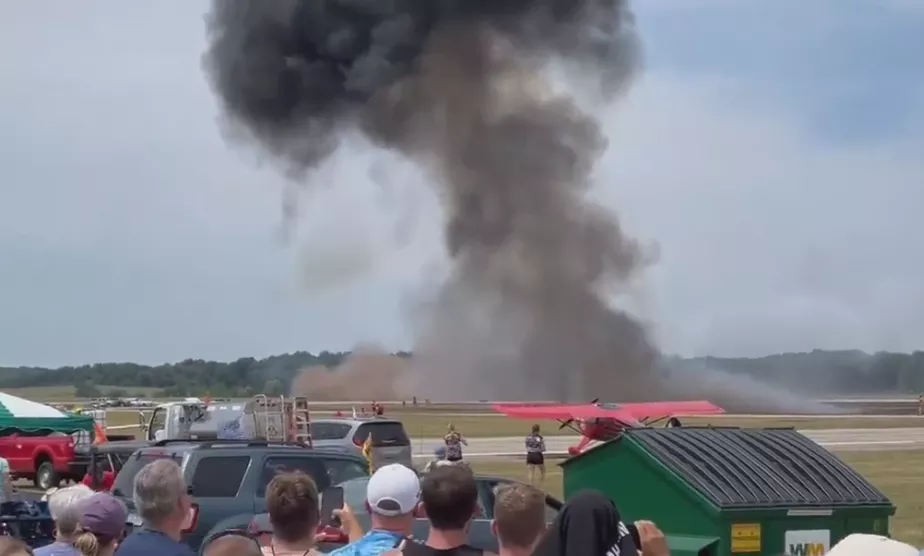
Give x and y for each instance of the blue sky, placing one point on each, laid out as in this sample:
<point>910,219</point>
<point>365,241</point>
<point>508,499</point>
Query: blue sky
<point>771,150</point>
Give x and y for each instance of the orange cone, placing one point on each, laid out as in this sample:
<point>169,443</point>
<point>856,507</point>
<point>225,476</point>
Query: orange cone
<point>99,434</point>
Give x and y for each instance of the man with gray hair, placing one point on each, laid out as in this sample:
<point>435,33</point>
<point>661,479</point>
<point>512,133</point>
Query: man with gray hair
<point>64,505</point>
<point>160,497</point>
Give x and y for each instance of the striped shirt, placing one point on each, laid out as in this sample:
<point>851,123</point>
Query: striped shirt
<point>535,444</point>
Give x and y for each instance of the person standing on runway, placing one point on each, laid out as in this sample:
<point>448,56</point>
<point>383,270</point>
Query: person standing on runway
<point>535,456</point>
<point>454,442</point>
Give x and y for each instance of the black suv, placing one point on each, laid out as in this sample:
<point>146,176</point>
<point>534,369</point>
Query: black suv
<point>228,478</point>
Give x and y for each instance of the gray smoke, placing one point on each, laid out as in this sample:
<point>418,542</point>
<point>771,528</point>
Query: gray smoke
<point>459,87</point>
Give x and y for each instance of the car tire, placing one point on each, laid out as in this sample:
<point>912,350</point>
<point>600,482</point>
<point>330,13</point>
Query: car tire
<point>46,477</point>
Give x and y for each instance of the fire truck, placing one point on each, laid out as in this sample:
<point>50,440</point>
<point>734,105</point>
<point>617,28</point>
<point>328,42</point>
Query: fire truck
<point>272,418</point>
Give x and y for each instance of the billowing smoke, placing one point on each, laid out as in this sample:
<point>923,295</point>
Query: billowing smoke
<point>460,87</point>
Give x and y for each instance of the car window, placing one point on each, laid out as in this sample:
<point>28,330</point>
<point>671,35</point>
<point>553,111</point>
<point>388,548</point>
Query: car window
<point>219,476</point>
<point>119,461</point>
<point>354,494</point>
<point>104,463</point>
<point>321,431</point>
<point>551,511</point>
<point>385,433</point>
<point>340,470</point>
<point>482,511</point>
<point>159,418</point>
<point>323,472</point>
<point>329,431</point>
<point>341,430</point>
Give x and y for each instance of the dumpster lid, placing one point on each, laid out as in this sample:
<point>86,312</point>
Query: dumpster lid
<point>738,468</point>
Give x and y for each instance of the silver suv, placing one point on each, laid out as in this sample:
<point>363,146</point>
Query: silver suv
<point>390,442</point>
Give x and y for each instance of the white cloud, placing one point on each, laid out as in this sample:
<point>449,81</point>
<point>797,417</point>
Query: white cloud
<point>770,240</point>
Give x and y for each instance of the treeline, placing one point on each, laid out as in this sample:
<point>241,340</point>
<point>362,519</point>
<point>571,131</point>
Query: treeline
<point>834,372</point>
<point>824,372</point>
<point>191,377</point>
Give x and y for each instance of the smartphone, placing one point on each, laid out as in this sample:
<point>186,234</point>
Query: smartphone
<point>633,532</point>
<point>331,499</point>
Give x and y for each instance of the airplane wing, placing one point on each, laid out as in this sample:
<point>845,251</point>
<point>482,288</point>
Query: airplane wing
<point>626,413</point>
<point>564,412</point>
<point>525,411</point>
<point>670,409</point>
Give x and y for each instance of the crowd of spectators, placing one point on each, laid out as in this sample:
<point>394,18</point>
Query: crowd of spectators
<point>92,524</point>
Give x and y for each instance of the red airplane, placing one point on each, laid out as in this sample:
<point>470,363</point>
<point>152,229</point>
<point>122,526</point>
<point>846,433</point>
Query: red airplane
<point>606,421</point>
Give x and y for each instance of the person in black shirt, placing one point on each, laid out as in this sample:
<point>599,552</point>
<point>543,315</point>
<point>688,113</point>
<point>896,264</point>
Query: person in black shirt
<point>589,523</point>
<point>449,499</point>
<point>535,456</point>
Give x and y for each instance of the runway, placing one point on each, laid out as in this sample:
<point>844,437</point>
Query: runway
<point>832,439</point>
<point>911,438</point>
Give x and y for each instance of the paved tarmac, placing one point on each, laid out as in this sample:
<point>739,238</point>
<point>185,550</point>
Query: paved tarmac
<point>832,439</point>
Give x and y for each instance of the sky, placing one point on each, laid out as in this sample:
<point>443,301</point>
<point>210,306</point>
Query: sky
<point>770,153</point>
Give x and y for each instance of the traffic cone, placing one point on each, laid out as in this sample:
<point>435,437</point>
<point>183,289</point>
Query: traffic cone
<point>99,434</point>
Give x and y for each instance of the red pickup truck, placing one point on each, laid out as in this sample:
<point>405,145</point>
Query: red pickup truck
<point>46,460</point>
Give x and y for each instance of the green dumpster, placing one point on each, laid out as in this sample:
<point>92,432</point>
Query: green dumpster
<point>729,491</point>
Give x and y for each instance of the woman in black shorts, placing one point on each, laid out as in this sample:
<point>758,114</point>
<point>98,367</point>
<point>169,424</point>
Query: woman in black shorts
<point>535,456</point>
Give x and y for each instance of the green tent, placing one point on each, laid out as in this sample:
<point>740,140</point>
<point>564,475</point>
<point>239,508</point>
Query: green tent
<point>17,414</point>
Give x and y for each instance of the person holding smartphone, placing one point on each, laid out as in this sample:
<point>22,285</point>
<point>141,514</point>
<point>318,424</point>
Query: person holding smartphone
<point>392,496</point>
<point>294,507</point>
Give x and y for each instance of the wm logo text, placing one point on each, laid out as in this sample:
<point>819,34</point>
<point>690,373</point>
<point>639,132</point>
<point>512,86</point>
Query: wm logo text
<point>806,549</point>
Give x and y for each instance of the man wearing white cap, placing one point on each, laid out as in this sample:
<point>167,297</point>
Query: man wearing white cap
<point>871,545</point>
<point>392,496</point>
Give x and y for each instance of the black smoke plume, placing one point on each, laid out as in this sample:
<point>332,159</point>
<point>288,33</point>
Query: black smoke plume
<point>461,87</point>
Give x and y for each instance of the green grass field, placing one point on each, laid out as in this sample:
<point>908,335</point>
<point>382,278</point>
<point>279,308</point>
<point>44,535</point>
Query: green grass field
<point>897,473</point>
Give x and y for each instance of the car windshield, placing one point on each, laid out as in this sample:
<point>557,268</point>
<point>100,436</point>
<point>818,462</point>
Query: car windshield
<point>354,494</point>
<point>126,477</point>
<point>324,473</point>
<point>383,433</point>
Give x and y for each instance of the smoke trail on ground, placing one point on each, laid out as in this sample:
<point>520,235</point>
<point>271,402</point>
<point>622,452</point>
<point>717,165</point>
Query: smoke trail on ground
<point>737,393</point>
<point>458,86</point>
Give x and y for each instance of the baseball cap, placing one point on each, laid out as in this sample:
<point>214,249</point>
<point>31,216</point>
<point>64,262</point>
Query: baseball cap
<point>862,545</point>
<point>103,516</point>
<point>393,490</point>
